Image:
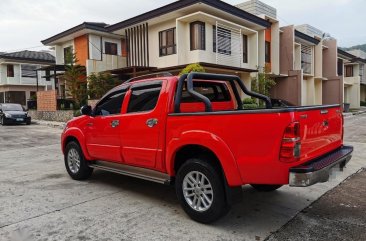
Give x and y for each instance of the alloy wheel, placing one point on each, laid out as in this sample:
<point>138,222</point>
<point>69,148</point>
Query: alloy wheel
<point>73,160</point>
<point>197,191</point>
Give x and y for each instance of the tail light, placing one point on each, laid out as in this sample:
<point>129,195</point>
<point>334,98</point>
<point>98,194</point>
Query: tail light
<point>291,144</point>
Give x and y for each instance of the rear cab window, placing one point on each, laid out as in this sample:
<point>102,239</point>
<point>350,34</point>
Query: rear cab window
<point>218,92</point>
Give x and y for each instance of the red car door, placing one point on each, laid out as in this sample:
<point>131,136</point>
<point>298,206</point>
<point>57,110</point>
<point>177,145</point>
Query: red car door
<point>142,124</point>
<point>103,130</point>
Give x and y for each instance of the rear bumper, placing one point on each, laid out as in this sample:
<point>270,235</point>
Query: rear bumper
<point>318,170</point>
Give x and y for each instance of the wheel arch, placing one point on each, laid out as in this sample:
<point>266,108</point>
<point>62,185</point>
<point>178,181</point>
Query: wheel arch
<point>194,144</point>
<point>77,136</point>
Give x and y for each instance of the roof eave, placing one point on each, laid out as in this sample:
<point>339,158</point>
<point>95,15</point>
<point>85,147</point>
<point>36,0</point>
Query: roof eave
<point>185,3</point>
<point>73,30</point>
<point>306,37</point>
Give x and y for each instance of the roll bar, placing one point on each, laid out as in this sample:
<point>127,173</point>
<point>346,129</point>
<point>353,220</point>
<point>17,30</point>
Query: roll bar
<point>221,77</point>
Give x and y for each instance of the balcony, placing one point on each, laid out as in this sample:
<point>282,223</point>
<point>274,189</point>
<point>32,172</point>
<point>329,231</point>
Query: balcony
<point>108,62</point>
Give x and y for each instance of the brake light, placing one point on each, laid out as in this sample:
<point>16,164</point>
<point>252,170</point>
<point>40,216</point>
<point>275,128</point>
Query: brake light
<point>291,144</point>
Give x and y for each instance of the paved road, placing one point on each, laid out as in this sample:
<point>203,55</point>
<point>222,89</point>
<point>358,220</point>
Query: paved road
<point>37,198</point>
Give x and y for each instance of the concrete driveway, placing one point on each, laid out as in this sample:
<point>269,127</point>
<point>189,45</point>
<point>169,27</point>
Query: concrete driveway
<point>38,201</point>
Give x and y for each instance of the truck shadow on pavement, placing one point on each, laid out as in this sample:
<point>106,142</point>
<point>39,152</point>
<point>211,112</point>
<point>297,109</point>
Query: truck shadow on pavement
<point>257,212</point>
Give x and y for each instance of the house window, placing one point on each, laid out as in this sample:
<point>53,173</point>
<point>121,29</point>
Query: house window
<point>10,70</point>
<point>340,67</point>
<point>223,41</point>
<point>198,36</point>
<point>167,42</point>
<point>29,71</point>
<point>110,48</point>
<point>245,49</point>
<point>349,70</point>
<point>268,52</point>
<point>68,55</point>
<point>306,59</point>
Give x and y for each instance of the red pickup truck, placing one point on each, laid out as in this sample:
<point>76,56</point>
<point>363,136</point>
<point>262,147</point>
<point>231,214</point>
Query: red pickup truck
<point>194,132</point>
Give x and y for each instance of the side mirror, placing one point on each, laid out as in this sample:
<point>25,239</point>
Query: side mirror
<point>86,110</point>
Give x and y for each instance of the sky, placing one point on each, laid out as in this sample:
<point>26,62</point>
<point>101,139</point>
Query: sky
<point>24,23</point>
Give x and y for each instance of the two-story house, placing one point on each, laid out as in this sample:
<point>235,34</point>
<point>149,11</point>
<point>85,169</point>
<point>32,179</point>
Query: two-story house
<point>19,78</point>
<point>95,47</point>
<point>361,57</point>
<point>304,55</point>
<point>221,37</point>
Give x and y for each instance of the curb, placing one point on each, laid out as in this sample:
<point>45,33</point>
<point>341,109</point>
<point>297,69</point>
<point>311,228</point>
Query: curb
<point>54,124</point>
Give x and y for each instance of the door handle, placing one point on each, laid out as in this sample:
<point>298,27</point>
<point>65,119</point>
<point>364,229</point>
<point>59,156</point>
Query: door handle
<point>114,123</point>
<point>151,122</point>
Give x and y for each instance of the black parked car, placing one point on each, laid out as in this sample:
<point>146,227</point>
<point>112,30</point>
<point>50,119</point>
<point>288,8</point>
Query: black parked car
<point>13,114</point>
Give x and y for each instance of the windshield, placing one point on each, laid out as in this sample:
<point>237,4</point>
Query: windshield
<point>12,107</point>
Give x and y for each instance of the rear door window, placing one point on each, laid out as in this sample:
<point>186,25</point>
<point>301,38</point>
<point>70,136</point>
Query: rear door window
<point>144,98</point>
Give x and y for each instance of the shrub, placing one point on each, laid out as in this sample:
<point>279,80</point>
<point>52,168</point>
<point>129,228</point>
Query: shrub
<point>249,103</point>
<point>193,68</point>
<point>363,103</point>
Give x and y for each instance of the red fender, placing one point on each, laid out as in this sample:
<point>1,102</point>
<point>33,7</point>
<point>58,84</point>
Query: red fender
<point>211,142</point>
<point>76,133</point>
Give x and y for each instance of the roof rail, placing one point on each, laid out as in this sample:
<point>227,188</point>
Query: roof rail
<point>153,75</point>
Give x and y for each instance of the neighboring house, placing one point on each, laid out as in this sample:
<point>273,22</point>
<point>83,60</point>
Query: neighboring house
<point>361,57</point>
<point>19,78</point>
<point>304,66</point>
<point>221,37</point>
<point>95,48</point>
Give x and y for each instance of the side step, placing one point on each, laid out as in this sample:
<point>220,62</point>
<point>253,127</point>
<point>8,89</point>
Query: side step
<point>132,171</point>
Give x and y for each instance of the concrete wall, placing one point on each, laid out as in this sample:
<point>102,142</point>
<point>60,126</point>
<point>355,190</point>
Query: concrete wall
<point>287,39</point>
<point>330,58</point>
<point>288,88</point>
<point>333,90</point>
<point>59,116</point>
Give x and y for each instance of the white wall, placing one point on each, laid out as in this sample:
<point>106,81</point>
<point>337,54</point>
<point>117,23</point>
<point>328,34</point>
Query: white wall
<point>18,79</point>
<point>154,58</point>
<point>59,49</point>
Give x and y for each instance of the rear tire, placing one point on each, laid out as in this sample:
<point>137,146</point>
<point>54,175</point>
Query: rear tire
<point>75,162</point>
<point>200,190</point>
<point>265,188</point>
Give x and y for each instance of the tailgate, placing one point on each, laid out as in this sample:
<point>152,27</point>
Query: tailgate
<point>321,130</point>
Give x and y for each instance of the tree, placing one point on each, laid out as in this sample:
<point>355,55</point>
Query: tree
<point>262,84</point>
<point>75,80</point>
<point>192,68</point>
<point>100,83</point>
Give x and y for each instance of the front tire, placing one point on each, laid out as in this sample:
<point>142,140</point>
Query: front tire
<point>75,162</point>
<point>265,188</point>
<point>200,190</point>
<point>2,121</point>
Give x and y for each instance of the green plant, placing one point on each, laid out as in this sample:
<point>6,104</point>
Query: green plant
<point>77,113</point>
<point>262,84</point>
<point>193,68</point>
<point>75,81</point>
<point>363,103</point>
<point>249,103</point>
<point>100,83</point>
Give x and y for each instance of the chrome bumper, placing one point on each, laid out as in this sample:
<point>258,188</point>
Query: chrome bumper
<point>318,170</point>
